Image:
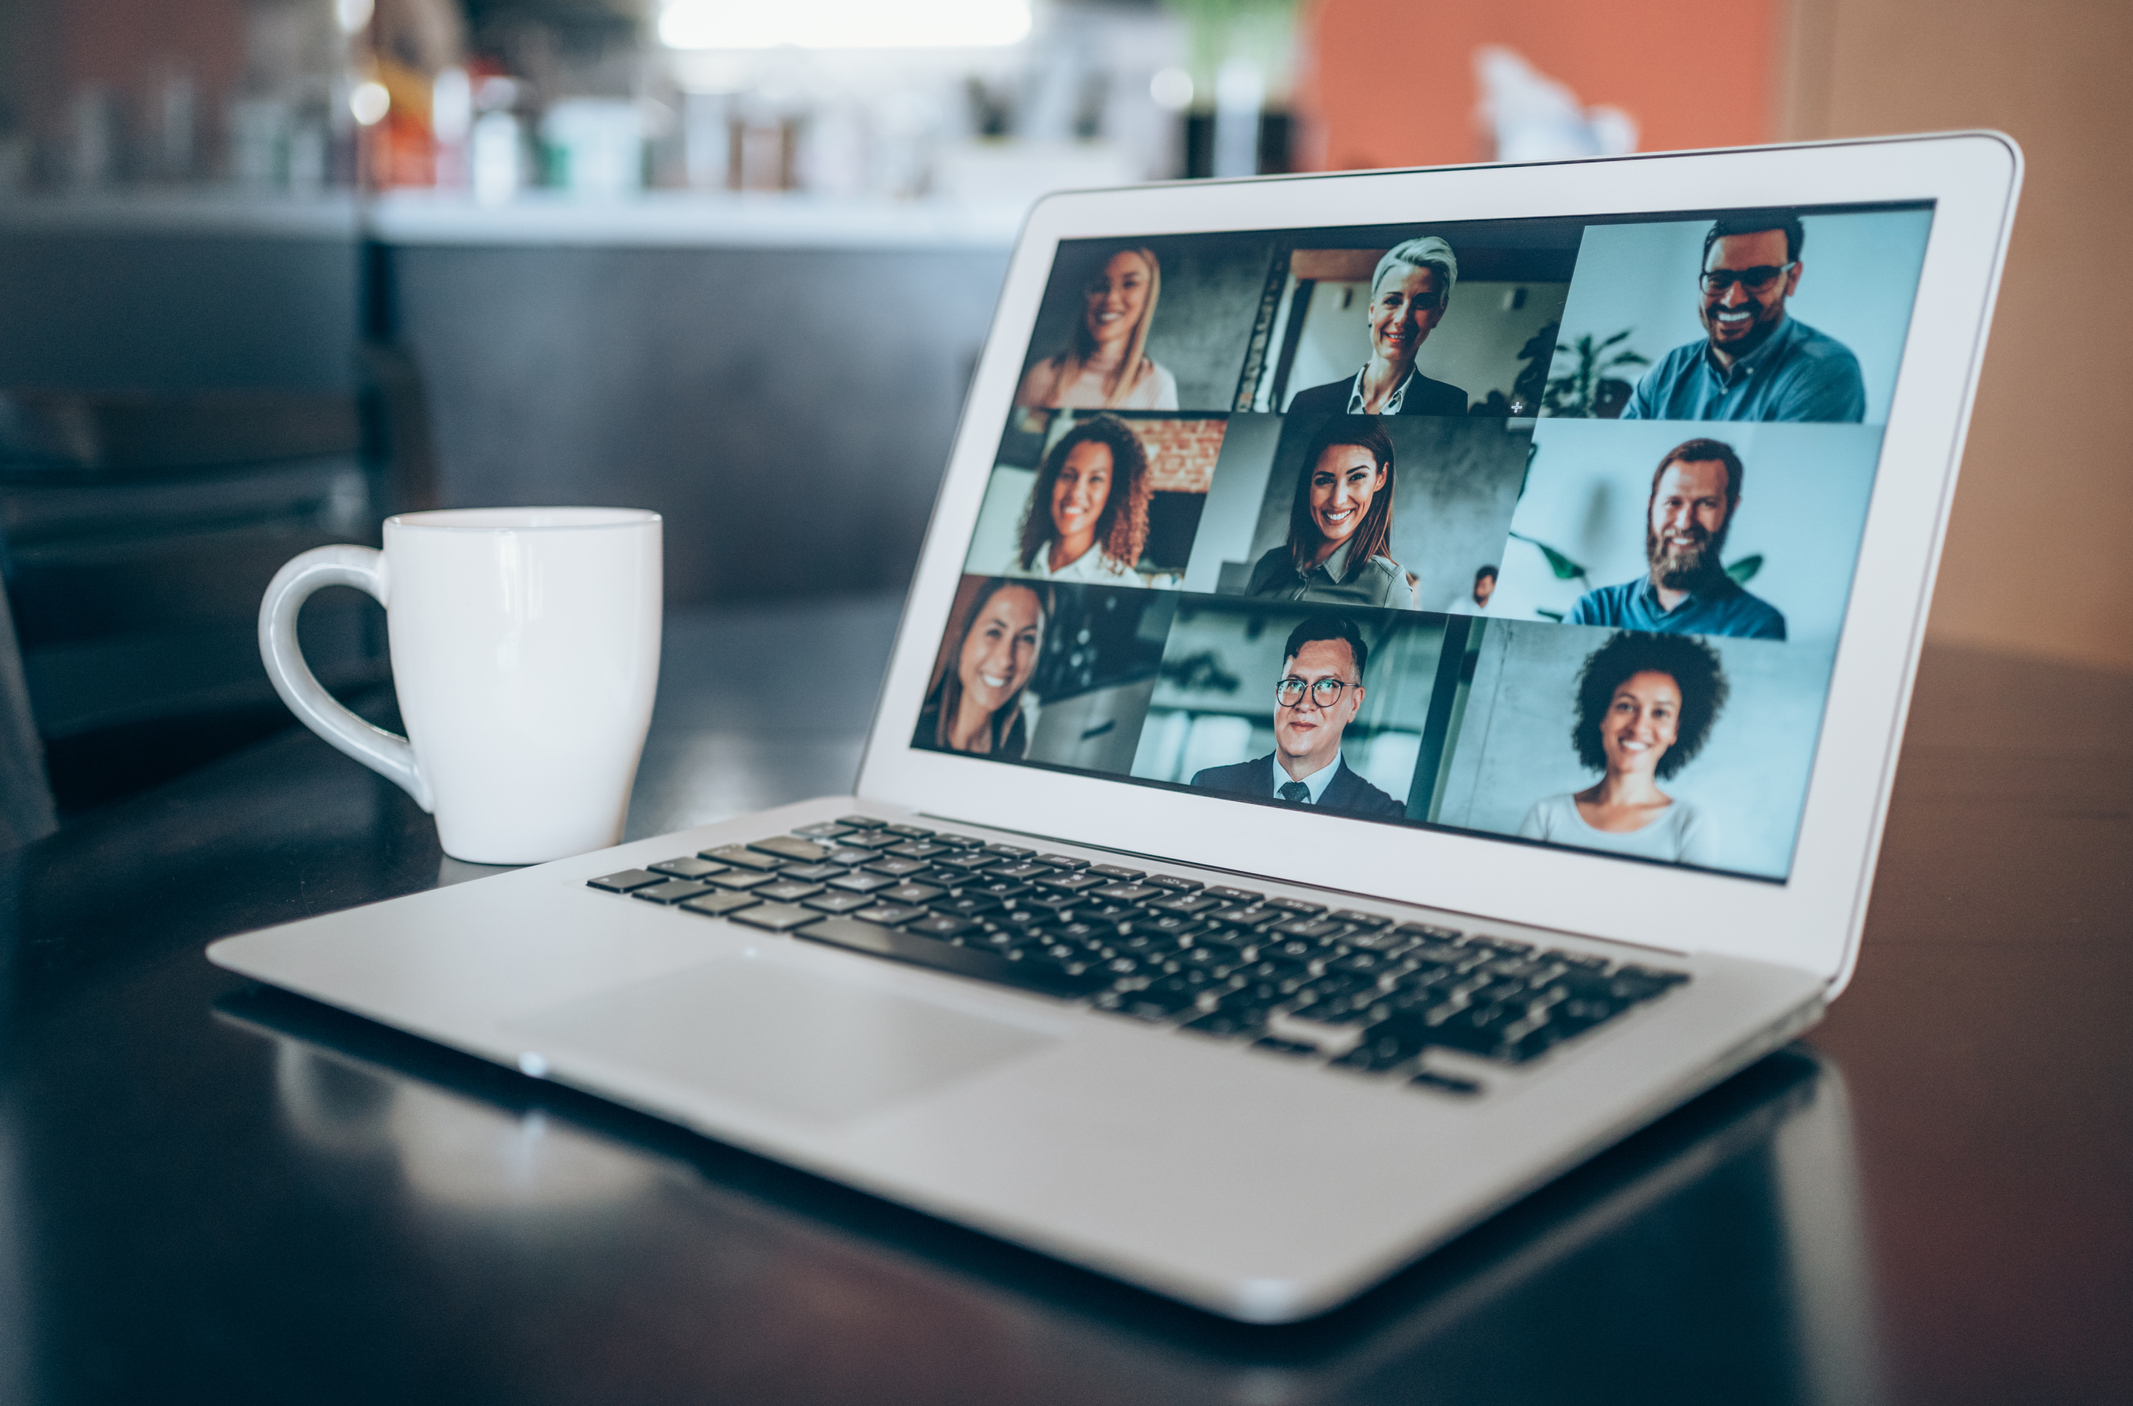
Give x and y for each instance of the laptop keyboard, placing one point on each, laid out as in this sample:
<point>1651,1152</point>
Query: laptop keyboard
<point>1355,990</point>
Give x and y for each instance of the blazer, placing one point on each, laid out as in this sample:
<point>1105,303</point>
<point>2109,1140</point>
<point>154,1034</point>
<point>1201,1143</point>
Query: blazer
<point>1424,397</point>
<point>1346,792</point>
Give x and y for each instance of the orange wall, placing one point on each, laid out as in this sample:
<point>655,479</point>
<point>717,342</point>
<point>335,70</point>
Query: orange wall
<point>1393,80</point>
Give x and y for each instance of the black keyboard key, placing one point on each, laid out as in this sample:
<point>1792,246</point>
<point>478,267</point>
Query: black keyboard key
<point>913,894</point>
<point>626,880</point>
<point>1005,890</point>
<point>965,905</point>
<point>1128,893</point>
<point>1174,883</point>
<point>969,860</point>
<point>1010,851</point>
<point>1311,931</point>
<point>1295,1049</point>
<point>1362,920</point>
<point>838,902</point>
<point>738,879</point>
<point>1297,906</point>
<point>1022,872</point>
<point>718,905</point>
<point>1664,978</point>
<point>779,917</point>
<point>920,849</point>
<point>889,914</point>
<point>1382,1048</point>
<point>958,842</point>
<point>1424,932</point>
<point>672,891</point>
<point>879,941</point>
<point>811,873</point>
<point>860,822</point>
<point>687,867</point>
<point>1581,960</point>
<point>897,867</point>
<point>1105,912</point>
<point>1431,1080</point>
<point>1150,1004</point>
<point>942,926</point>
<point>1500,944</point>
<point>1062,861</point>
<point>741,856</point>
<point>909,832</point>
<point>1224,1025</point>
<point>1237,896</point>
<point>1073,883</point>
<point>1186,903</point>
<point>870,839</point>
<point>787,891</point>
<point>827,830</point>
<point>1113,871</point>
<point>859,881</point>
<point>850,858</point>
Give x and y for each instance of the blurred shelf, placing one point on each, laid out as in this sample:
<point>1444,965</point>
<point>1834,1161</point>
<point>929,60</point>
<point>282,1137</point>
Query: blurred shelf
<point>691,219</point>
<point>655,219</point>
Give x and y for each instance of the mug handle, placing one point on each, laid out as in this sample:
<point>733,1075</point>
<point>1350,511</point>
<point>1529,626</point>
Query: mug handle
<point>386,753</point>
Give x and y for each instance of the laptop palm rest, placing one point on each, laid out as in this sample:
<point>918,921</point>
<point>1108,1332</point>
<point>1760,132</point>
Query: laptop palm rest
<point>785,1042</point>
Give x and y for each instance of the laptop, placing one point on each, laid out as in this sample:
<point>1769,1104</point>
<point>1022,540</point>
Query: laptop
<point>1400,690</point>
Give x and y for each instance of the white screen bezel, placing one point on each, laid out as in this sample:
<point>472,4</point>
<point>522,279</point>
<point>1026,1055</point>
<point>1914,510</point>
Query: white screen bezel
<point>1810,921</point>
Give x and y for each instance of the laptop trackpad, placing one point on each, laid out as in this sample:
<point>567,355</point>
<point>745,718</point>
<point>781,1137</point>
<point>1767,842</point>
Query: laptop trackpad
<point>788,1042</point>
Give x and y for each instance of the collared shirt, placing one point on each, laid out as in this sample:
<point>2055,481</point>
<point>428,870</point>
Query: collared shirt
<point>1318,780</point>
<point>1379,581</point>
<point>1092,567</point>
<point>1392,402</point>
<point>1796,374</point>
<point>1725,609</point>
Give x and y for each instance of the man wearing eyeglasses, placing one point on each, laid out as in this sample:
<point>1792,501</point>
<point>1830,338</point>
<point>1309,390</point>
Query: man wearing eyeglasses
<point>1318,695</point>
<point>1755,362</point>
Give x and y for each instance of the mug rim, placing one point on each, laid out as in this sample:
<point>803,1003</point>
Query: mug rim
<point>530,519</point>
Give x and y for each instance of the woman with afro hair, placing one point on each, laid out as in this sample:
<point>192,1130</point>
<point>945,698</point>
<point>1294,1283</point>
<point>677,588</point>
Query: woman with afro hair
<point>1644,709</point>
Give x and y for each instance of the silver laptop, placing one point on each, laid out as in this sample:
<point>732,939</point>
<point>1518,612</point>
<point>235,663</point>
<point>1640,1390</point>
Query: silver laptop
<point>1400,690</point>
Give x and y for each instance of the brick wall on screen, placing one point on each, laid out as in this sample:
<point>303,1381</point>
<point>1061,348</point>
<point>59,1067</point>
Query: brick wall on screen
<point>1181,453</point>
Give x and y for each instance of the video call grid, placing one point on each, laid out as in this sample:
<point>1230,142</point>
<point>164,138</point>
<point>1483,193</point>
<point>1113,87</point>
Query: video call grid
<point>1189,508</point>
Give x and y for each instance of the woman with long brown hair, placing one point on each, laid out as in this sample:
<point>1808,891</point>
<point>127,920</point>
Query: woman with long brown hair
<point>1106,365</point>
<point>976,703</point>
<point>1087,517</point>
<point>1340,524</point>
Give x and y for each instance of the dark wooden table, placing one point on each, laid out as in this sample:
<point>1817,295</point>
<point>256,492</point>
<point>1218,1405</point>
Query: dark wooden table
<point>211,1191</point>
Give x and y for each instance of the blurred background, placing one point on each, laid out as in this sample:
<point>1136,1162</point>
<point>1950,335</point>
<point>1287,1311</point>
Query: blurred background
<point>272,269</point>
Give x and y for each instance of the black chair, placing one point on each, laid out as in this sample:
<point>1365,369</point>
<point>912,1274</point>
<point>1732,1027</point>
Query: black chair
<point>140,532</point>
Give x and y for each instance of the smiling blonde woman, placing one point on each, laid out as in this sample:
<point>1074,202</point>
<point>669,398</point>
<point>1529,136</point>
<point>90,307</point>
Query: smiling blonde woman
<point>1106,365</point>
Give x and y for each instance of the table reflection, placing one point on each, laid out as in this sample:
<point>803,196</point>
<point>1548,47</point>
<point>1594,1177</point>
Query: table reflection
<point>1717,1255</point>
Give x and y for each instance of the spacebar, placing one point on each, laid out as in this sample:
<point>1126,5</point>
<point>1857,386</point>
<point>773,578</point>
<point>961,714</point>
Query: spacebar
<point>878,941</point>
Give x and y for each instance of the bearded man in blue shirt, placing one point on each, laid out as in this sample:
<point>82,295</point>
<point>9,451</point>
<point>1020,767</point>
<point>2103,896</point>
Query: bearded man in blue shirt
<point>1755,363</point>
<point>1686,591</point>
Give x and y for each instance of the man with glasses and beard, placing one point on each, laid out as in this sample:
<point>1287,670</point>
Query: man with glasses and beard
<point>1318,695</point>
<point>1754,363</point>
<point>1695,494</point>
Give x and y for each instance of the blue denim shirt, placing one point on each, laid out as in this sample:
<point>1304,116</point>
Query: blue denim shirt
<point>1634,605</point>
<point>1798,374</point>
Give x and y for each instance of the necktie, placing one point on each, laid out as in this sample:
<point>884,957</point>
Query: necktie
<point>1295,793</point>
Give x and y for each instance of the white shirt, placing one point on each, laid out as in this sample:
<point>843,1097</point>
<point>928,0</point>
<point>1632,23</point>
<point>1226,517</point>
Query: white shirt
<point>1092,568</point>
<point>1681,834</point>
<point>1392,402</point>
<point>1318,780</point>
<point>1156,389</point>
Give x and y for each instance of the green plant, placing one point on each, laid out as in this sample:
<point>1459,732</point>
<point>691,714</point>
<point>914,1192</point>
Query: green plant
<point>1576,393</point>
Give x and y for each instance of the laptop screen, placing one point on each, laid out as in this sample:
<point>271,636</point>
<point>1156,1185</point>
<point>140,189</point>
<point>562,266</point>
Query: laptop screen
<point>1538,530</point>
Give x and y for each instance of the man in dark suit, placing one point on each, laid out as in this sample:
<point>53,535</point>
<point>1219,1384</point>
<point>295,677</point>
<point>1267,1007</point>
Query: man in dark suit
<point>1320,692</point>
<point>1408,294</point>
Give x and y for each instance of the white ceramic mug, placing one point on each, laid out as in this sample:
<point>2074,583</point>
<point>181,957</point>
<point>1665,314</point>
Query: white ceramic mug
<point>525,651</point>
